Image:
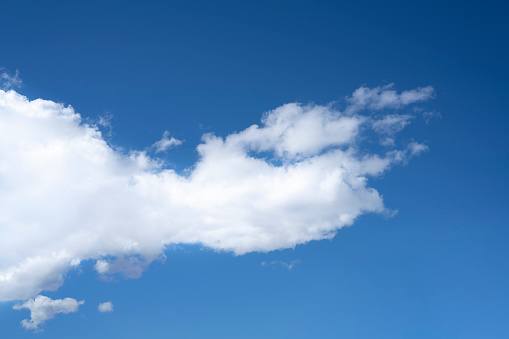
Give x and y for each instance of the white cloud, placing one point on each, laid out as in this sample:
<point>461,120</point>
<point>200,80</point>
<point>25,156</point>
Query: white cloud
<point>166,143</point>
<point>105,307</point>
<point>68,196</point>
<point>293,130</point>
<point>102,266</point>
<point>43,308</point>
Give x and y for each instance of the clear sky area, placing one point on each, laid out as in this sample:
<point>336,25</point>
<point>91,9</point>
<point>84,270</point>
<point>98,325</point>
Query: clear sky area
<point>254,169</point>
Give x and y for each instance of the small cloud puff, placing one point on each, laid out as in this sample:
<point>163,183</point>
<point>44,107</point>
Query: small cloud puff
<point>105,307</point>
<point>102,266</point>
<point>166,143</point>
<point>43,308</point>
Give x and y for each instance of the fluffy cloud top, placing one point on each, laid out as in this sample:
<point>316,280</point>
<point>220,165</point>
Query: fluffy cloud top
<point>43,308</point>
<point>67,196</point>
<point>105,307</point>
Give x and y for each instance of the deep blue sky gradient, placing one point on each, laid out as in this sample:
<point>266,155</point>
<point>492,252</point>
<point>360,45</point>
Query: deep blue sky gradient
<point>438,269</point>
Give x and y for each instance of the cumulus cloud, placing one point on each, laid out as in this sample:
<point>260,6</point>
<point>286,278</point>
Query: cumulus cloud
<point>43,308</point>
<point>68,196</point>
<point>102,266</point>
<point>296,131</point>
<point>105,307</point>
<point>166,143</point>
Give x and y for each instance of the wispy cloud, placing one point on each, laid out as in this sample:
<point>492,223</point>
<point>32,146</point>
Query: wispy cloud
<point>43,308</point>
<point>284,264</point>
<point>166,143</point>
<point>383,97</point>
<point>130,267</point>
<point>392,124</point>
<point>298,176</point>
<point>428,116</point>
<point>104,121</point>
<point>9,81</point>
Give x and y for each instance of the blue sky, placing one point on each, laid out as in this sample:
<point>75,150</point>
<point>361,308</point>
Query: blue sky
<point>436,269</point>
